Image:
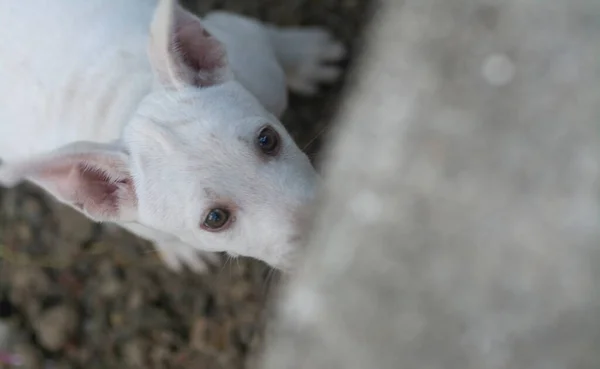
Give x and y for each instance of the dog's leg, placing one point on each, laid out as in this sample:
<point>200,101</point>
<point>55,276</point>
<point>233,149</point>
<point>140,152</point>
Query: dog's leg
<point>307,55</point>
<point>174,253</point>
<point>177,255</point>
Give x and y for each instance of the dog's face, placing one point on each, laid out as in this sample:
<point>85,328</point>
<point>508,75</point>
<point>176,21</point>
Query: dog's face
<point>201,160</point>
<point>215,169</point>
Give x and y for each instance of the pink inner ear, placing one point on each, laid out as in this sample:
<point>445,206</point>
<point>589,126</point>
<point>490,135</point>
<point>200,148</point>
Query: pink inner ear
<point>198,50</point>
<point>98,190</point>
<point>101,189</point>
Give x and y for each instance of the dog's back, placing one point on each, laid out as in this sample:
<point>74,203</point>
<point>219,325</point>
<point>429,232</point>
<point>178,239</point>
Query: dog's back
<point>69,70</point>
<point>75,70</point>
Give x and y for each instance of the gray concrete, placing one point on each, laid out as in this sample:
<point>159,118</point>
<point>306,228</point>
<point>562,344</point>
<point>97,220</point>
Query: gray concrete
<point>459,225</point>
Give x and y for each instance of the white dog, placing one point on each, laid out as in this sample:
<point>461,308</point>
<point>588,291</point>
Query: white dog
<point>139,113</point>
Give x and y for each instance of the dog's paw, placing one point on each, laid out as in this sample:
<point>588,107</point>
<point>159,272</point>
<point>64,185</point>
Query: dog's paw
<point>317,51</point>
<point>176,255</point>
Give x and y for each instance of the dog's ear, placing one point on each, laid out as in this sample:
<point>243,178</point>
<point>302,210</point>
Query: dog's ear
<point>181,50</point>
<point>93,178</point>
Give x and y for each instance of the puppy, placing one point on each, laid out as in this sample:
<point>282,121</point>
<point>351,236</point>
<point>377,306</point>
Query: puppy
<point>141,114</point>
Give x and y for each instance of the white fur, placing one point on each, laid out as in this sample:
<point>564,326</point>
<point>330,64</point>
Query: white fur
<point>98,110</point>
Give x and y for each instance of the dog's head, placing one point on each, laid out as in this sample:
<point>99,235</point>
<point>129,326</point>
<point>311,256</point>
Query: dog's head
<point>201,159</point>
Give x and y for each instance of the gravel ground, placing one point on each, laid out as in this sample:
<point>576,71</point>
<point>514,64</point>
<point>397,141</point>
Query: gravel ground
<point>78,295</point>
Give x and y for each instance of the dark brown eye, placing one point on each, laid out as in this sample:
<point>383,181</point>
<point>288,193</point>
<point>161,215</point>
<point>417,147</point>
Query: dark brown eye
<point>216,219</point>
<point>268,141</point>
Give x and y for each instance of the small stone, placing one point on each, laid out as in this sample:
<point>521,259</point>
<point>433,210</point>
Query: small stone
<point>32,209</point>
<point>28,284</point>
<point>30,357</point>
<point>110,283</point>
<point>160,355</point>
<point>110,288</point>
<point>220,336</point>
<point>55,326</point>
<point>135,299</point>
<point>116,319</point>
<point>135,353</point>
<point>23,231</point>
<point>5,335</point>
<point>199,333</point>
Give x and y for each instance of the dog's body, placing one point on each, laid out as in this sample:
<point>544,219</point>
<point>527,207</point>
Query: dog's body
<point>132,113</point>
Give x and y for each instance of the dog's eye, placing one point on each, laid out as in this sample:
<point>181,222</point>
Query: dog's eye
<point>268,141</point>
<point>216,219</point>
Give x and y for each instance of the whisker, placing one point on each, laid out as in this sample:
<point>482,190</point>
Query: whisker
<point>319,134</point>
<point>269,280</point>
<point>227,259</point>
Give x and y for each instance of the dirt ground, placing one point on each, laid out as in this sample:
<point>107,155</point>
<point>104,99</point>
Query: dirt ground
<point>78,295</point>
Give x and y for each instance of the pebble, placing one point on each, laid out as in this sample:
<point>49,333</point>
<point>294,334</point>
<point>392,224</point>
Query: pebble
<point>29,356</point>
<point>29,287</point>
<point>135,352</point>
<point>5,333</point>
<point>55,327</point>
